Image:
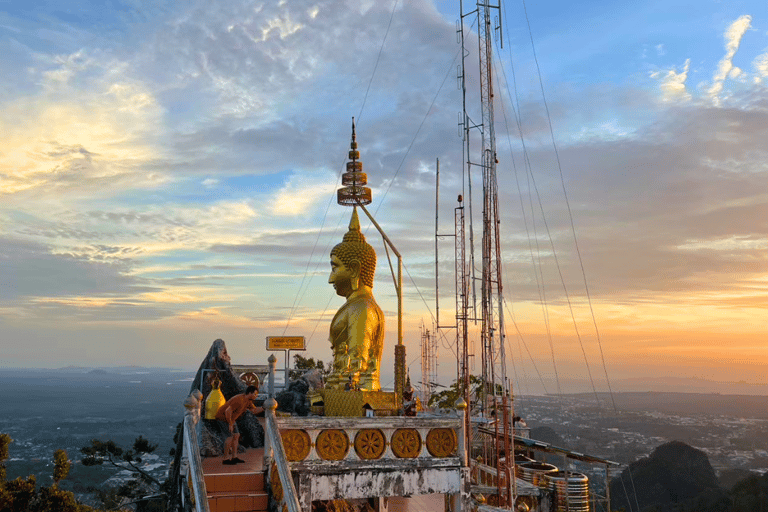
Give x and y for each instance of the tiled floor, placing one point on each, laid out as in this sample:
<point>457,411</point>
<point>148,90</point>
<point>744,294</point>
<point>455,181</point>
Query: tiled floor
<point>253,457</point>
<point>236,488</point>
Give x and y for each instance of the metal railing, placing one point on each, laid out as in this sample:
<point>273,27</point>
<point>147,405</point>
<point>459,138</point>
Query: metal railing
<point>191,457</point>
<point>275,452</point>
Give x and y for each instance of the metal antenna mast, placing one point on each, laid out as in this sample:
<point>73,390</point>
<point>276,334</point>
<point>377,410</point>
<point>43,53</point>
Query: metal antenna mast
<point>428,362</point>
<point>494,374</point>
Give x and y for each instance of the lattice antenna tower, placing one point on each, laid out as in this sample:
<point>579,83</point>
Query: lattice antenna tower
<point>428,362</point>
<point>491,304</point>
<point>494,394</point>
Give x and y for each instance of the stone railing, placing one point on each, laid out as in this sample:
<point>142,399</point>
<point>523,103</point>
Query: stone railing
<point>279,474</point>
<point>192,466</point>
<point>360,457</point>
<point>370,441</point>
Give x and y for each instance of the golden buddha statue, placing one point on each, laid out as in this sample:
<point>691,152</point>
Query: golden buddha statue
<point>357,329</point>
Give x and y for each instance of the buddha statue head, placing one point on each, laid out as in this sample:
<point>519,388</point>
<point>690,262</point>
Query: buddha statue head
<point>353,261</point>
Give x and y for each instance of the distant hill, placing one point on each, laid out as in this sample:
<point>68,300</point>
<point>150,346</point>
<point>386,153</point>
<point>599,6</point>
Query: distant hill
<point>674,473</point>
<point>547,435</point>
<point>740,406</point>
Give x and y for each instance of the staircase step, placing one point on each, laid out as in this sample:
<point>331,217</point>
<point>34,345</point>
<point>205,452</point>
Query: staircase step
<point>238,502</point>
<point>234,482</point>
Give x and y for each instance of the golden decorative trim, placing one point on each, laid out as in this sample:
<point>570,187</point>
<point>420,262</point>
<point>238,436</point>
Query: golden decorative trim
<point>442,442</point>
<point>296,443</point>
<point>332,444</point>
<point>274,482</point>
<point>406,443</point>
<point>350,403</point>
<point>370,443</point>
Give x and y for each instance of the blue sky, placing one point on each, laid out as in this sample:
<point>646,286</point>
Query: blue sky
<point>168,169</point>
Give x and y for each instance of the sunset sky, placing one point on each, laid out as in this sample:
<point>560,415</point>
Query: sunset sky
<point>168,173</point>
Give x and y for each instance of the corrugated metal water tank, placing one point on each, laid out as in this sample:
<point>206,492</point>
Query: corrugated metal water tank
<point>534,472</point>
<point>571,493</point>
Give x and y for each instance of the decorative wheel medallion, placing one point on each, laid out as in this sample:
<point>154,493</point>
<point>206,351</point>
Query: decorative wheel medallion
<point>406,443</point>
<point>250,379</point>
<point>442,442</point>
<point>274,482</point>
<point>296,443</point>
<point>370,443</point>
<point>332,444</point>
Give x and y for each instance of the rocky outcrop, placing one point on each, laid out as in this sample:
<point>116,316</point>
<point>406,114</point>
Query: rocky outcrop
<point>212,438</point>
<point>673,473</point>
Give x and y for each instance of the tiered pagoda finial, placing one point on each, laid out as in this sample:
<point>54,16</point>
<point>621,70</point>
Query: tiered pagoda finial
<point>354,192</point>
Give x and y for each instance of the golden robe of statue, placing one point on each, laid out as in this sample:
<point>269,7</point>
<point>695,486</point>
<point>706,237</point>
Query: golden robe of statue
<point>357,329</point>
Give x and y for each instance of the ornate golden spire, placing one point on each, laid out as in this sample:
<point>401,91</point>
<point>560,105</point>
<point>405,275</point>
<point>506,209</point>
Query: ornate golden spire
<point>354,191</point>
<point>354,234</point>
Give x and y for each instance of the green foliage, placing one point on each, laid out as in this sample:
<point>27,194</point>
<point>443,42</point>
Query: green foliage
<point>303,364</point>
<point>61,465</point>
<point>91,460</point>
<point>17,495</point>
<point>447,398</point>
<point>53,499</point>
<point>102,449</point>
<point>23,495</point>
<point>751,494</point>
<point>5,440</point>
<point>141,445</point>
<point>100,452</point>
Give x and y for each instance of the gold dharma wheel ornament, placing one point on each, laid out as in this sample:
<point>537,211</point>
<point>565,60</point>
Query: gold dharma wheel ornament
<point>296,443</point>
<point>354,191</point>
<point>370,443</point>
<point>442,442</point>
<point>250,379</point>
<point>332,444</point>
<point>406,443</point>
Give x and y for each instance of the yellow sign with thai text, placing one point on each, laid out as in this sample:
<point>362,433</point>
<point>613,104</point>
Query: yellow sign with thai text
<point>286,343</point>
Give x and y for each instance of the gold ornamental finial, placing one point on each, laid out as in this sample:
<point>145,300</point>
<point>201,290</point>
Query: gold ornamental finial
<point>354,192</point>
<point>354,234</point>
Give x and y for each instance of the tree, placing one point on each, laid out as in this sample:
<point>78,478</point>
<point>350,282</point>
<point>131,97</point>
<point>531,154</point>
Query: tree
<point>61,465</point>
<point>22,495</point>
<point>141,445</point>
<point>447,398</point>
<point>302,364</point>
<point>5,440</point>
<point>107,451</point>
<point>100,452</point>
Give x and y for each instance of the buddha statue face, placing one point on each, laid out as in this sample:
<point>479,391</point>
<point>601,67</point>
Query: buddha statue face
<point>345,279</point>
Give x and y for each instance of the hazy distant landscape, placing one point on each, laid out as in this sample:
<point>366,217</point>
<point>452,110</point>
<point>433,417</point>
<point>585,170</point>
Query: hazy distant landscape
<point>66,408</point>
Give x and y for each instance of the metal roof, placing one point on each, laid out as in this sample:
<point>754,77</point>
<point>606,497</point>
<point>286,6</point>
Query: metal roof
<point>546,447</point>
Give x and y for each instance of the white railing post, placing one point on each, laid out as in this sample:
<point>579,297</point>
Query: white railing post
<point>460,500</point>
<point>461,410</point>
<point>192,449</point>
<point>272,362</point>
<point>270,405</point>
<point>290,496</point>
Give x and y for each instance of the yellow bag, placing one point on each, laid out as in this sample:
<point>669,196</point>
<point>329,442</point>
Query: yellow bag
<point>213,403</point>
